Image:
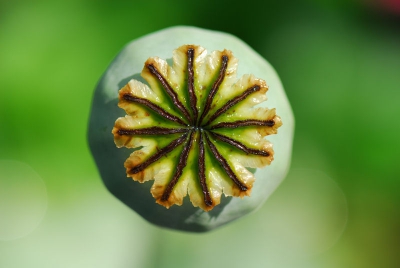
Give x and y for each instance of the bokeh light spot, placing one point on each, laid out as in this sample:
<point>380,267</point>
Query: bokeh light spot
<point>23,200</point>
<point>307,216</point>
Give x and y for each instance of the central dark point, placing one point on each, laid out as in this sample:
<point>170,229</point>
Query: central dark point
<point>196,128</point>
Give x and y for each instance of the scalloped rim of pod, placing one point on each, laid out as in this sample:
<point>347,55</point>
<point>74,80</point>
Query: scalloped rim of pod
<point>196,126</point>
<point>108,158</point>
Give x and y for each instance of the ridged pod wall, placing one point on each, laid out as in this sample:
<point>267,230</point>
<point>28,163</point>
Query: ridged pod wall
<point>201,114</point>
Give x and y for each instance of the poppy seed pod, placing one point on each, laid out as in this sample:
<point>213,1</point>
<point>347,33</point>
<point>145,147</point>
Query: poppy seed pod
<point>191,112</point>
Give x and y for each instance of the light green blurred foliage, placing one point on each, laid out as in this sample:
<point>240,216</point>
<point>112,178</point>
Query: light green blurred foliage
<point>340,67</point>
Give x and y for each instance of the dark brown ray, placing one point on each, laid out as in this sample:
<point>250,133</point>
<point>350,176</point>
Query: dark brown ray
<point>151,131</point>
<point>233,102</point>
<point>244,123</point>
<point>225,165</point>
<point>169,90</point>
<point>154,107</point>
<point>159,154</point>
<point>215,87</point>
<point>239,145</point>
<point>192,94</point>
<point>202,169</point>
<point>179,168</point>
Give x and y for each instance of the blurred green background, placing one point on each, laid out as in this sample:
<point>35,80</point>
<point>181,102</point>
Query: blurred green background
<point>339,62</point>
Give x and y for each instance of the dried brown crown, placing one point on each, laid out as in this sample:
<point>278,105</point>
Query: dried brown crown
<point>195,129</point>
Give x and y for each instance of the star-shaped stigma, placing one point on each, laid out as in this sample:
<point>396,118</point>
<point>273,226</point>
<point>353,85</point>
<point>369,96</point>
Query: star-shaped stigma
<point>194,128</point>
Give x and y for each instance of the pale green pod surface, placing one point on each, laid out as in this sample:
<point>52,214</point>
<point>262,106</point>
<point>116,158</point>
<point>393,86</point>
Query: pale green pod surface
<point>191,128</point>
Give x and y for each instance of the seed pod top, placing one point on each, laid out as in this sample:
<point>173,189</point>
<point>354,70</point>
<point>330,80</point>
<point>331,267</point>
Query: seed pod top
<point>195,123</point>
